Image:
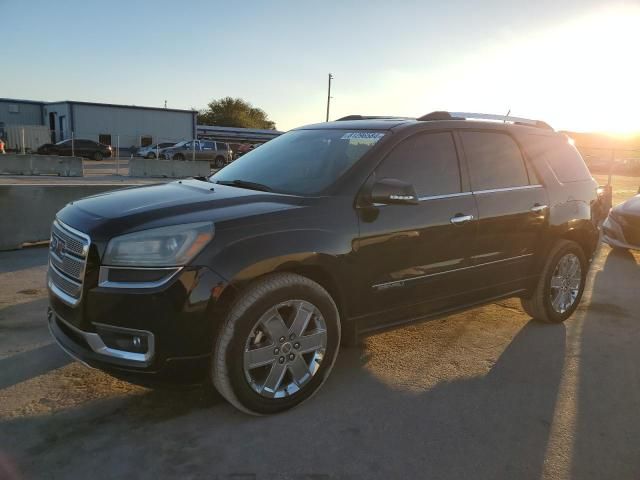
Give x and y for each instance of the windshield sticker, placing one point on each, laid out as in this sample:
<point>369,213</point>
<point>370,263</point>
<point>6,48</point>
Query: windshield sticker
<point>362,136</point>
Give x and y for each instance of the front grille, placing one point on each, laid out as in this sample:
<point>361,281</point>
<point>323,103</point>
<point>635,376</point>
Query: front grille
<point>68,252</point>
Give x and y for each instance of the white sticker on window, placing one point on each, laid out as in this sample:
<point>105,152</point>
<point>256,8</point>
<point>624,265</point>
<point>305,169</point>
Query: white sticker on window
<point>362,136</point>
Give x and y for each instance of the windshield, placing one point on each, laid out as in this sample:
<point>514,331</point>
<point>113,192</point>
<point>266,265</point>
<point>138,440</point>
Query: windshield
<point>301,162</point>
<point>182,144</point>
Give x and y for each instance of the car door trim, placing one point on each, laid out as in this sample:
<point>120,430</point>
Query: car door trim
<point>465,194</point>
<point>507,189</point>
<point>399,283</point>
<point>448,195</point>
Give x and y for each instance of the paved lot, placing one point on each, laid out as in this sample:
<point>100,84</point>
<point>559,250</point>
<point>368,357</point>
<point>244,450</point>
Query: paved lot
<point>484,394</point>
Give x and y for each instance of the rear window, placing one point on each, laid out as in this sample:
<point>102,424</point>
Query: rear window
<point>566,162</point>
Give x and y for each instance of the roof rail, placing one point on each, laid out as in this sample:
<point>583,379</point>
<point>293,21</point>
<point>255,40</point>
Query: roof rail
<point>441,115</point>
<point>371,117</point>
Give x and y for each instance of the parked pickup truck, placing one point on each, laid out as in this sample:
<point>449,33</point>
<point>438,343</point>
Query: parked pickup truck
<point>217,153</point>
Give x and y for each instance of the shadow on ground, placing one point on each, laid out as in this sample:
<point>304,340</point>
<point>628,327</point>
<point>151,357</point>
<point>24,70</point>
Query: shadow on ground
<point>496,425</point>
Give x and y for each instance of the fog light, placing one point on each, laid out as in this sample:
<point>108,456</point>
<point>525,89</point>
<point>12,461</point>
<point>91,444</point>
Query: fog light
<point>120,339</point>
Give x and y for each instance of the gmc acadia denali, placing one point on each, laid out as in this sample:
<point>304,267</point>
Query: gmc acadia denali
<point>250,278</point>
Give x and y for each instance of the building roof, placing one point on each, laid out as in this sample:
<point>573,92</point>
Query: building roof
<point>15,100</point>
<point>112,105</point>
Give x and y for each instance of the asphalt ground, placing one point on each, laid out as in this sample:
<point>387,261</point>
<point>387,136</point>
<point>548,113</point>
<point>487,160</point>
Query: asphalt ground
<point>484,394</point>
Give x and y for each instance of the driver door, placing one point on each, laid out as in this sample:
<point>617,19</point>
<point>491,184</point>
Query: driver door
<point>413,259</point>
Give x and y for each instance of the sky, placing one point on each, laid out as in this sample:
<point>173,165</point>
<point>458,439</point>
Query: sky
<point>574,64</point>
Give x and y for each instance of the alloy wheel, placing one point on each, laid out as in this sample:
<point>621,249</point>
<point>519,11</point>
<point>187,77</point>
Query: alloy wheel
<point>285,349</point>
<point>565,283</point>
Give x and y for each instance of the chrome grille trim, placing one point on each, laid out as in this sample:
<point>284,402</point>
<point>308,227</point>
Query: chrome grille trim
<point>67,264</point>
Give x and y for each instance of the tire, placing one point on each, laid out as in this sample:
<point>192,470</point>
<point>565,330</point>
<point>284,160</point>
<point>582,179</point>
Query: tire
<point>541,305</point>
<point>219,162</point>
<point>178,156</point>
<point>287,294</point>
<point>97,156</point>
<point>151,155</point>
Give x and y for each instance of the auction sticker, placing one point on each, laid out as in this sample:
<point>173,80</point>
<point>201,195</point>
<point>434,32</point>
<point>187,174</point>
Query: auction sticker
<point>362,136</point>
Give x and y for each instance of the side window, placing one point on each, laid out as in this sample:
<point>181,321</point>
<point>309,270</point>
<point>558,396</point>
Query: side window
<point>208,146</point>
<point>428,161</point>
<point>566,162</point>
<point>495,161</point>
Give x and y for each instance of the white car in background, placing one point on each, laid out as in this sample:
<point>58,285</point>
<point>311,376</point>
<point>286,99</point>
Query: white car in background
<point>150,151</point>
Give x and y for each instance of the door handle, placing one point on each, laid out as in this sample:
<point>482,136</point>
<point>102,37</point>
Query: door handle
<point>537,208</point>
<point>459,219</point>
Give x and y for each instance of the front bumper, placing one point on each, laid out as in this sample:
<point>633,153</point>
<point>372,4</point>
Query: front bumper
<point>613,235</point>
<point>174,326</point>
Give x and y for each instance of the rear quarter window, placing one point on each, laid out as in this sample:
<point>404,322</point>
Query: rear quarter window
<point>566,162</point>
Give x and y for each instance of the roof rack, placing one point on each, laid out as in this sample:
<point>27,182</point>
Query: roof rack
<point>373,117</point>
<point>441,115</point>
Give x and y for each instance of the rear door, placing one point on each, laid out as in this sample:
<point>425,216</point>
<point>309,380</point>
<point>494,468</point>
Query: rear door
<point>208,150</point>
<point>512,209</point>
<point>413,258</point>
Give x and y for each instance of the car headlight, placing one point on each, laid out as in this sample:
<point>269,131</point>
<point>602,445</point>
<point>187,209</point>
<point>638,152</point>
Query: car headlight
<point>159,247</point>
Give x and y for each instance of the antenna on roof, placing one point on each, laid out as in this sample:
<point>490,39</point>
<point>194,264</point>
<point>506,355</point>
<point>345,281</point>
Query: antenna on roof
<point>508,112</point>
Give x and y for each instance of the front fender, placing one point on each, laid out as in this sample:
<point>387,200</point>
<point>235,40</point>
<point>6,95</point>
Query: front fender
<point>246,258</point>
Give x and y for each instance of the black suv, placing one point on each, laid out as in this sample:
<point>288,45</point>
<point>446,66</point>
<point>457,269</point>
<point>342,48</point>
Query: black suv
<point>250,278</point>
<point>77,147</point>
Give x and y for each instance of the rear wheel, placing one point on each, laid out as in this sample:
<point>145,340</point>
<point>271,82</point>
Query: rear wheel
<point>277,345</point>
<point>560,286</point>
<point>97,156</point>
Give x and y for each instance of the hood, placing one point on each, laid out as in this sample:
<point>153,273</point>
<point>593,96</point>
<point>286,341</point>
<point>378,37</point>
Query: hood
<point>183,201</point>
<point>631,207</point>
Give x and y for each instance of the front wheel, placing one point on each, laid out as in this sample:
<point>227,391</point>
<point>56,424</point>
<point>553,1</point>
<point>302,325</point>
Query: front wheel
<point>178,156</point>
<point>219,162</point>
<point>560,286</point>
<point>277,345</point>
<point>97,156</point>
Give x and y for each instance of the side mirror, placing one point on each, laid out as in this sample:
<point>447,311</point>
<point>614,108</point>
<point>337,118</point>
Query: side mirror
<point>391,191</point>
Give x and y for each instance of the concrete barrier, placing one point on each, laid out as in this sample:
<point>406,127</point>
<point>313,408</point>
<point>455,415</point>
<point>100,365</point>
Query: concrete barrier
<point>27,210</point>
<point>150,167</point>
<point>13,164</point>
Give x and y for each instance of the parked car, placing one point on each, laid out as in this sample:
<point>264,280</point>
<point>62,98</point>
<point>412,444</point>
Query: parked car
<point>80,148</point>
<point>621,229</point>
<point>150,151</point>
<point>244,148</point>
<point>252,278</point>
<point>216,153</point>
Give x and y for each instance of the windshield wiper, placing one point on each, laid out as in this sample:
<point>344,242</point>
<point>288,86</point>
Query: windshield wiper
<point>245,184</point>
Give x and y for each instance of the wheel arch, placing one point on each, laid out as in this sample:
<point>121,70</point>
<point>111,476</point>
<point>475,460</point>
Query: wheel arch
<point>588,240</point>
<point>317,267</point>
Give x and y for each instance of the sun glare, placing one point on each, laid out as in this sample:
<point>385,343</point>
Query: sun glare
<point>580,74</point>
<point>586,72</point>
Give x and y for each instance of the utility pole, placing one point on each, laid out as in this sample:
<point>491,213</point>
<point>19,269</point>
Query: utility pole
<point>329,95</point>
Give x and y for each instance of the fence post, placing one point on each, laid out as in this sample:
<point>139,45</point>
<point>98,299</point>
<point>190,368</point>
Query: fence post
<point>611,163</point>
<point>23,146</point>
<point>193,151</point>
<point>118,155</point>
<point>73,145</point>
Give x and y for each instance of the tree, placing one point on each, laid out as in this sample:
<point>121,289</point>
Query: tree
<point>234,112</point>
